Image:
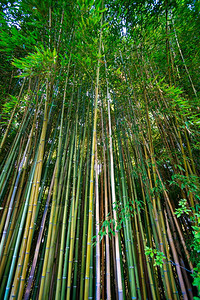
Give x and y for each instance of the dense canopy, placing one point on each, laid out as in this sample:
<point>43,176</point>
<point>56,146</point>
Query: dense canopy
<point>99,149</point>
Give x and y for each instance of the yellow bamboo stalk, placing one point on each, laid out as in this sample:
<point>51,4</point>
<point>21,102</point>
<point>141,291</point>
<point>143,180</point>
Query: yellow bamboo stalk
<point>28,232</point>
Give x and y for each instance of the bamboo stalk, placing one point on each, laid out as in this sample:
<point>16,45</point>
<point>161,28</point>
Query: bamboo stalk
<point>90,221</point>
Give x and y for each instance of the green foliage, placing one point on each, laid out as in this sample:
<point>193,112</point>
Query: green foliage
<point>36,64</point>
<point>10,104</point>
<point>123,214</point>
<point>157,255</point>
<point>108,225</point>
<point>195,244</point>
<point>190,182</point>
<point>158,189</point>
<point>176,98</point>
<point>196,233</point>
<point>196,248</point>
<point>7,109</point>
<point>196,276</point>
<point>183,208</point>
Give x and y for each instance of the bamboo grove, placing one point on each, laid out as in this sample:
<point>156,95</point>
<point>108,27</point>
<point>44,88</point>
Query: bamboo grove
<point>99,155</point>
